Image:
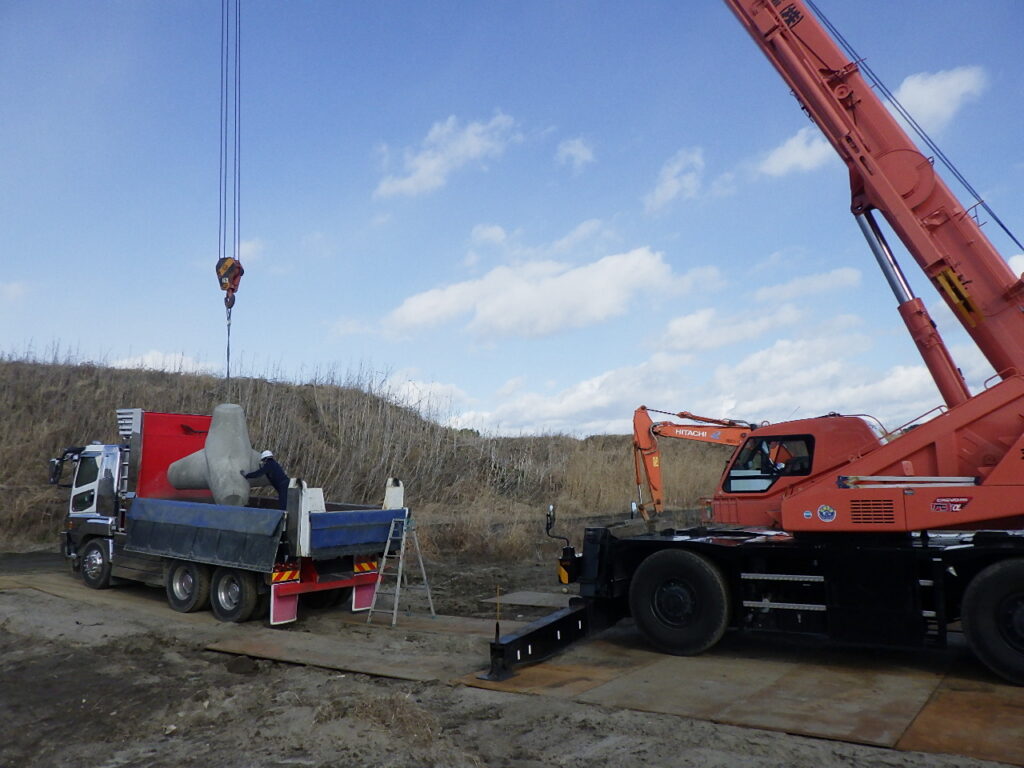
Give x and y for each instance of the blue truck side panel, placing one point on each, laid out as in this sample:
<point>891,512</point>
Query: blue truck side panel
<point>238,537</point>
<point>355,532</point>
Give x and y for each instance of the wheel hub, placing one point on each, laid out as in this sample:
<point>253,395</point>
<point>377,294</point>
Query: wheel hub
<point>1010,620</point>
<point>229,593</point>
<point>92,564</point>
<point>674,603</point>
<point>183,584</point>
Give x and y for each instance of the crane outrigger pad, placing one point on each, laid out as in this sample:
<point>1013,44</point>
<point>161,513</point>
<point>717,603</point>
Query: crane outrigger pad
<point>236,537</point>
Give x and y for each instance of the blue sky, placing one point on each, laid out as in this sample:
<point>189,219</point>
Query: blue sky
<point>534,216</point>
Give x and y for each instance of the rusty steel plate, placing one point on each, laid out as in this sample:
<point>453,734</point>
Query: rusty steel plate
<point>532,599</point>
<point>971,713</point>
<point>348,654</point>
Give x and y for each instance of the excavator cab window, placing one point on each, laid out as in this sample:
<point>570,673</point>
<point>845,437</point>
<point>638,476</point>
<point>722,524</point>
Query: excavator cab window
<point>763,460</point>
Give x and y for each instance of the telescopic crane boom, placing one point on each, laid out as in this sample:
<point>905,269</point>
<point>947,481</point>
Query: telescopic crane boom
<point>889,174</point>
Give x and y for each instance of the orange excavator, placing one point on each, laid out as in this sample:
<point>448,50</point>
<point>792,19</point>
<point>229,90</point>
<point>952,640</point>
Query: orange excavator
<point>824,526</point>
<point>647,454</point>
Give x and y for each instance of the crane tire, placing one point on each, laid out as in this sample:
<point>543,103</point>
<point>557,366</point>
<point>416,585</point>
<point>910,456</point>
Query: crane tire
<point>187,586</point>
<point>679,601</point>
<point>233,594</point>
<point>95,563</point>
<point>993,618</point>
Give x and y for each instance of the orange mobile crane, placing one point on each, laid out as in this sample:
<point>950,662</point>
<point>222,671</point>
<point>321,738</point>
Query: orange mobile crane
<point>861,538</point>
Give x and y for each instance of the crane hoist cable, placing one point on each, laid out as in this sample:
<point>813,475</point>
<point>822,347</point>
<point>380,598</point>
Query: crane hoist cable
<point>229,264</point>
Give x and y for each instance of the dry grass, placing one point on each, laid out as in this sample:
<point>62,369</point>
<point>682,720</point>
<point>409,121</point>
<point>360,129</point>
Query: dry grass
<point>347,434</point>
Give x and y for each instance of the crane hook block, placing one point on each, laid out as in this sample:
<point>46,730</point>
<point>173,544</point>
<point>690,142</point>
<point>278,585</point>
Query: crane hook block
<point>229,273</point>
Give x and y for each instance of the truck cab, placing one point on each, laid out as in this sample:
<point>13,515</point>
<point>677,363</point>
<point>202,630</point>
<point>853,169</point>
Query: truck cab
<point>95,482</point>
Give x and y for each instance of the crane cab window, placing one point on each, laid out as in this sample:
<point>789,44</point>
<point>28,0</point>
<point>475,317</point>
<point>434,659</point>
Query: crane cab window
<point>763,460</point>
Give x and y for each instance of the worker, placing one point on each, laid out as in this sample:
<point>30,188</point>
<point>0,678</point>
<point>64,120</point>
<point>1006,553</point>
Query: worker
<point>277,477</point>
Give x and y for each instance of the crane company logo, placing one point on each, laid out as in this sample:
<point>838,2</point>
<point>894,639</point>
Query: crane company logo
<point>716,435</point>
<point>826,513</point>
<point>692,432</point>
<point>950,503</point>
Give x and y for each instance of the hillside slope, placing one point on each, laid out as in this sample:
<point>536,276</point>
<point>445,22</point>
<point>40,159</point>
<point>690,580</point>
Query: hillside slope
<point>345,436</point>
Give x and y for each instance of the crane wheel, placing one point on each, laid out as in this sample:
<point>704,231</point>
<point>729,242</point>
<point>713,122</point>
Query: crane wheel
<point>993,618</point>
<point>233,594</point>
<point>679,601</point>
<point>187,586</point>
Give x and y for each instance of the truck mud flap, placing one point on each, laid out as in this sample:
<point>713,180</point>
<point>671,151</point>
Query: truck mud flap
<point>238,537</point>
<point>547,636</point>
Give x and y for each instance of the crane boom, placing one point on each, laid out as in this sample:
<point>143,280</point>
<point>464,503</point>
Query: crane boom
<point>889,174</point>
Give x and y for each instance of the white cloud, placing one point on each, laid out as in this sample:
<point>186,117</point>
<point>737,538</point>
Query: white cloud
<point>430,398</point>
<point>705,329</point>
<point>575,152</point>
<point>821,375</point>
<point>540,298</point>
<point>790,378</point>
<point>250,250</point>
<point>1017,263</point>
<point>599,404</point>
<point>348,326</point>
<point>934,98</point>
<point>805,151</point>
<point>447,147</point>
<point>488,234</point>
<point>810,285</point>
<point>581,233</point>
<point>680,176</point>
<point>12,291</point>
<point>591,234</point>
<point>175,362</point>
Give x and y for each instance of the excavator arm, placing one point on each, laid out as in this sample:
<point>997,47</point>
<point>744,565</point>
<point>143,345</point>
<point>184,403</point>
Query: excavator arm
<point>647,455</point>
<point>889,174</point>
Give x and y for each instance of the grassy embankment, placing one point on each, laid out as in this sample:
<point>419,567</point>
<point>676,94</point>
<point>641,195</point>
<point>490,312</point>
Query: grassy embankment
<point>346,435</point>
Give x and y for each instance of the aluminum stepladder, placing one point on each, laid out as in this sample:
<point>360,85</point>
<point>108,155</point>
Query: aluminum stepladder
<point>394,550</point>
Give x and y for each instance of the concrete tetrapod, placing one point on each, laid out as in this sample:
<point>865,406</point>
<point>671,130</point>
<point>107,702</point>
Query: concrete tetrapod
<point>216,467</point>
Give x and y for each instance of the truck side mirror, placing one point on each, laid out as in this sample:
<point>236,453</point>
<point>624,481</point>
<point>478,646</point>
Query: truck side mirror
<point>550,523</point>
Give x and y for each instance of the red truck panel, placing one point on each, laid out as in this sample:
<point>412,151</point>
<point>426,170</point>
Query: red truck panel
<point>167,437</point>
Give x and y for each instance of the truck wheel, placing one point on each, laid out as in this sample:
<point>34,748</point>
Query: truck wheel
<point>187,585</point>
<point>680,601</point>
<point>95,566</point>
<point>233,594</point>
<point>993,618</point>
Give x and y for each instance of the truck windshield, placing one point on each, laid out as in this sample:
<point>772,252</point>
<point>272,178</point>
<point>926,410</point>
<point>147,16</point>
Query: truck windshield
<point>88,471</point>
<point>762,460</point>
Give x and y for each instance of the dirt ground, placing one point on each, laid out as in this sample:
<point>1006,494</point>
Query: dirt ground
<point>109,682</point>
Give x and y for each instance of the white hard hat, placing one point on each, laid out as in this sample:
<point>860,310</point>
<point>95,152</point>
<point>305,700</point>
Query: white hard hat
<point>266,455</point>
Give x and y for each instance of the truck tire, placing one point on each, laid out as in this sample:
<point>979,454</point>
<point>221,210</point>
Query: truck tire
<point>993,618</point>
<point>233,594</point>
<point>187,586</point>
<point>679,601</point>
<point>95,559</point>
